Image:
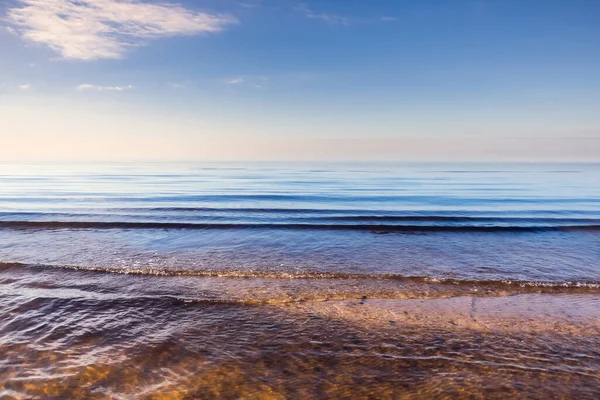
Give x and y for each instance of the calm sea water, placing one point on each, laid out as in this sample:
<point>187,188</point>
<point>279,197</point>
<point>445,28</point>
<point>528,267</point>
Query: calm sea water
<point>108,270</point>
<point>478,222</point>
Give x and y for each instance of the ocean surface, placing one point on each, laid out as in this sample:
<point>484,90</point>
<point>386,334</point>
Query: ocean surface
<point>258,280</point>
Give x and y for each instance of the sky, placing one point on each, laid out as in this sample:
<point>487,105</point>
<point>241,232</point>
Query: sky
<point>282,80</point>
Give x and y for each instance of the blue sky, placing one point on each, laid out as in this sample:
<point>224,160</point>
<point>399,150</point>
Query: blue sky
<point>314,80</point>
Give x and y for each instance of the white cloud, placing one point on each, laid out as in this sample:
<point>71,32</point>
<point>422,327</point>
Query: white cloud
<point>93,29</point>
<point>87,86</point>
<point>24,87</point>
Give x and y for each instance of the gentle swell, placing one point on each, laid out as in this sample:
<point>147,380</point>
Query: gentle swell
<point>591,286</point>
<point>323,198</point>
<point>295,226</point>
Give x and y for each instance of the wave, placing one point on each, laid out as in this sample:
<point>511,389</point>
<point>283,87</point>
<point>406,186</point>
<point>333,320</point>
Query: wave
<point>581,285</point>
<point>348,211</point>
<point>333,213</point>
<point>375,228</point>
<point>447,218</point>
<point>309,198</point>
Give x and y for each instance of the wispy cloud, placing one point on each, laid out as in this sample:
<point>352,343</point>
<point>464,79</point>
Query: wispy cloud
<point>254,81</point>
<point>25,87</point>
<point>94,29</point>
<point>327,17</point>
<point>234,81</point>
<point>87,86</point>
<point>251,4</point>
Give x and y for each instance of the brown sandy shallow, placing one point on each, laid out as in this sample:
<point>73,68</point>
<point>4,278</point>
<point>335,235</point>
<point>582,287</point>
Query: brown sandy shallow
<point>575,314</point>
<point>534,346</point>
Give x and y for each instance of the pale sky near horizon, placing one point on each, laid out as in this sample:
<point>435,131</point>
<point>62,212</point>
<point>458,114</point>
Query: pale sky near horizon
<point>431,80</point>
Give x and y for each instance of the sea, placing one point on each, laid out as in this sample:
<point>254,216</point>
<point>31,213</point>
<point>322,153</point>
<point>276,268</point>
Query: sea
<point>299,280</point>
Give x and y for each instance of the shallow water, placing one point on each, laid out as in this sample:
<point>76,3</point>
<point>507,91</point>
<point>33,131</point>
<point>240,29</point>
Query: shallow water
<point>297,281</point>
